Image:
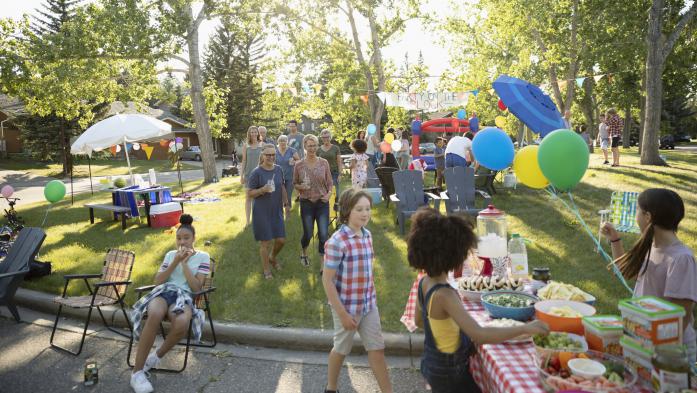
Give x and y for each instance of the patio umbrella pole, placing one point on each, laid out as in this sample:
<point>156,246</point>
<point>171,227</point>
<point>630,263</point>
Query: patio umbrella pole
<point>179,169</point>
<point>72,195</point>
<point>89,168</point>
<point>128,160</point>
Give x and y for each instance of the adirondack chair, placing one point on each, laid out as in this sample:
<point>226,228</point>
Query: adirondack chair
<point>484,179</point>
<point>386,182</point>
<point>460,194</point>
<point>409,195</point>
<point>372,181</point>
<point>16,265</point>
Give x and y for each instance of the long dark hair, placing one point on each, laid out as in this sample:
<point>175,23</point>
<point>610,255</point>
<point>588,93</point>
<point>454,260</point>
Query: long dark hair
<point>667,210</point>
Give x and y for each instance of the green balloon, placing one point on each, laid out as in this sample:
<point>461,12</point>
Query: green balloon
<point>54,191</point>
<point>563,158</point>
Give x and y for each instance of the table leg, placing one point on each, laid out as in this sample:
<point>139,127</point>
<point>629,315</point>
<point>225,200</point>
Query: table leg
<point>123,221</point>
<point>91,215</point>
<point>147,206</point>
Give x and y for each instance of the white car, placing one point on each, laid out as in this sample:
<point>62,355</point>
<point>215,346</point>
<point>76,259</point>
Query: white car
<point>192,153</point>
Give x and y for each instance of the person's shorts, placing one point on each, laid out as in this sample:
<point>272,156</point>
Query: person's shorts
<point>616,141</point>
<point>169,296</point>
<point>452,160</point>
<point>605,143</point>
<point>368,328</point>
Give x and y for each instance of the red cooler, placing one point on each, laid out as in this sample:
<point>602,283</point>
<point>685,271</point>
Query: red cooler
<point>165,215</point>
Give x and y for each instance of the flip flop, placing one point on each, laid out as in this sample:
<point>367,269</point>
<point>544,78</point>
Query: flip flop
<point>268,275</point>
<point>275,264</point>
<point>304,261</point>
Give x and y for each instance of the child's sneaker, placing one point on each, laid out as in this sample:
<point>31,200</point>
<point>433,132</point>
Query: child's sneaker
<point>151,362</point>
<point>140,383</point>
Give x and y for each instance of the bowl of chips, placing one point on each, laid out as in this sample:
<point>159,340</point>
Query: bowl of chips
<point>563,315</point>
<point>556,290</point>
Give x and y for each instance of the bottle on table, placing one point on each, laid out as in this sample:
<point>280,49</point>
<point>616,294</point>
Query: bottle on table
<point>518,256</point>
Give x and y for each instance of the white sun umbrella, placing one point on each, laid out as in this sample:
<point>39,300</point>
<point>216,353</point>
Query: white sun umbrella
<point>120,129</point>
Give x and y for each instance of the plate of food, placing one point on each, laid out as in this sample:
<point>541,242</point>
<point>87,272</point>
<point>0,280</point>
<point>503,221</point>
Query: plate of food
<point>472,287</point>
<point>589,371</point>
<point>556,290</point>
<point>505,322</point>
<point>559,341</point>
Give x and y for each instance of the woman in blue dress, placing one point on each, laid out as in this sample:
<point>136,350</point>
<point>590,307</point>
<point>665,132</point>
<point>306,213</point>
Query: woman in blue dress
<point>286,157</point>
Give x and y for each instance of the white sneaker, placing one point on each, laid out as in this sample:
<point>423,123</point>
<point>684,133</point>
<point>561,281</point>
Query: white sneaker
<point>140,383</point>
<point>151,362</point>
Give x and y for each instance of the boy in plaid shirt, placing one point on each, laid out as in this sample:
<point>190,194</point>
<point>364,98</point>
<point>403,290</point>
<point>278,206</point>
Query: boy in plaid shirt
<point>615,124</point>
<point>348,282</point>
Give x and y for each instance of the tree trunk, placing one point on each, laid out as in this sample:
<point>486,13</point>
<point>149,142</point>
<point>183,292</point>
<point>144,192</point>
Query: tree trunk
<point>198,102</point>
<point>627,132</point>
<point>642,110</point>
<point>654,87</point>
<point>521,133</point>
<point>588,108</point>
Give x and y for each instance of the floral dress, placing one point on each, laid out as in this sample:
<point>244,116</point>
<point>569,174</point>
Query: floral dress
<point>359,173</point>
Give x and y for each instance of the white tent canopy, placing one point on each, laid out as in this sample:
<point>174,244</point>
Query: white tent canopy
<point>117,130</point>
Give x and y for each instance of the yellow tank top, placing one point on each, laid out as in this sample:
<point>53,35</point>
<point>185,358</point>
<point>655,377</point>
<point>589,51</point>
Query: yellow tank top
<point>445,332</point>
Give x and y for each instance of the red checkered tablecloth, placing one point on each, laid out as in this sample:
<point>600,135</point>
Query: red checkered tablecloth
<point>497,368</point>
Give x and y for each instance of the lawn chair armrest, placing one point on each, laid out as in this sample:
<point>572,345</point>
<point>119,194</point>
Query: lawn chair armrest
<point>3,275</point>
<point>145,288</point>
<point>444,195</point>
<point>432,196</point>
<point>69,277</point>
<point>109,283</point>
<point>201,292</point>
<point>394,198</point>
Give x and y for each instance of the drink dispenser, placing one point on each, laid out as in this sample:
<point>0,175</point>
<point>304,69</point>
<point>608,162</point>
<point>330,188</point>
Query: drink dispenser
<point>493,241</point>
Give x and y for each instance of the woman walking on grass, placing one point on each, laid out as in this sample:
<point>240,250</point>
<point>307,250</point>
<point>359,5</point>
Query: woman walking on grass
<point>332,154</point>
<point>286,157</point>
<point>251,152</point>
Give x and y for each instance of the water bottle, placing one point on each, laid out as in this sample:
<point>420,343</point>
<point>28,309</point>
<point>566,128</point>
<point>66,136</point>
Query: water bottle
<point>518,256</point>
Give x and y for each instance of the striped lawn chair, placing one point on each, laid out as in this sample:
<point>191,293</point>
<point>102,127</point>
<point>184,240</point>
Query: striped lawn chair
<point>622,213</point>
<point>110,290</point>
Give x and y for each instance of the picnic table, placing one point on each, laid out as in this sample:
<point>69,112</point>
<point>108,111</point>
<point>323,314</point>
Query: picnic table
<point>126,197</point>
<point>497,368</point>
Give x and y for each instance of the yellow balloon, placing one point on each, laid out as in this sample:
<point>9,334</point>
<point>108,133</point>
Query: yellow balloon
<point>500,121</point>
<point>527,169</point>
<point>389,137</point>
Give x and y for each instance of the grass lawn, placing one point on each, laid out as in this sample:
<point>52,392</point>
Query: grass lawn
<point>99,167</point>
<point>296,298</point>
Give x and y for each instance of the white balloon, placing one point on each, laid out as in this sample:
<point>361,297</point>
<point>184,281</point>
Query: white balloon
<point>180,146</point>
<point>396,145</point>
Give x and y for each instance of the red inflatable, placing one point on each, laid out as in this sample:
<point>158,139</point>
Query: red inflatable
<point>439,125</point>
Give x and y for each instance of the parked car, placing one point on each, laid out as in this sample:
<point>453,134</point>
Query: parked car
<point>192,153</point>
<point>427,148</point>
<point>667,142</point>
<point>681,138</point>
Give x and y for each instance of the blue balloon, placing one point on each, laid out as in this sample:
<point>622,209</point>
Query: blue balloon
<point>493,148</point>
<point>371,129</point>
<point>474,124</point>
<point>416,127</point>
<point>461,114</point>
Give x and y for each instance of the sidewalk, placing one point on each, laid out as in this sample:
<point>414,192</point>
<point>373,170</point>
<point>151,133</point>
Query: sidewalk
<point>236,333</point>
<point>29,364</point>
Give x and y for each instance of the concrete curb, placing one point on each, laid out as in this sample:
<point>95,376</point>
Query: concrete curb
<point>236,333</point>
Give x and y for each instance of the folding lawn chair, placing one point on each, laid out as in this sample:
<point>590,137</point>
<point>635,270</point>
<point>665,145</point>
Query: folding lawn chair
<point>111,290</point>
<point>622,212</point>
<point>202,302</point>
<point>460,193</point>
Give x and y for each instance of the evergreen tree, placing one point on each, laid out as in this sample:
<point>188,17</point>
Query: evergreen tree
<point>55,13</point>
<point>232,62</point>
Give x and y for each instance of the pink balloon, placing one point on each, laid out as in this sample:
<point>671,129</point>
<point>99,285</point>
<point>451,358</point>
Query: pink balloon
<point>7,191</point>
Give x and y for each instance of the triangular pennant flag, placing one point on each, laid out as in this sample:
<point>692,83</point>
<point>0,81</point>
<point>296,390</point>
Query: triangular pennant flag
<point>264,85</point>
<point>544,86</point>
<point>317,87</point>
<point>561,84</point>
<point>364,98</point>
<point>293,91</point>
<point>492,91</point>
<point>148,150</point>
<point>579,81</point>
<point>332,91</point>
<point>598,77</point>
<point>382,95</point>
<point>129,146</point>
<point>475,92</point>
<point>306,88</point>
<point>610,77</point>
<point>346,97</point>
<point>279,91</point>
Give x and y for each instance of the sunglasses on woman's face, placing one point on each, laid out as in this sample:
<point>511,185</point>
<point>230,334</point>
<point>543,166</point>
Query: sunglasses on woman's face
<point>271,155</point>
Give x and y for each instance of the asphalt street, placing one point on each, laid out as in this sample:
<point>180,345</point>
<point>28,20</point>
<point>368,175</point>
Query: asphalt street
<point>29,364</point>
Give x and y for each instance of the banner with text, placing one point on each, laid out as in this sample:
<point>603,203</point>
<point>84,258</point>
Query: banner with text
<point>428,102</point>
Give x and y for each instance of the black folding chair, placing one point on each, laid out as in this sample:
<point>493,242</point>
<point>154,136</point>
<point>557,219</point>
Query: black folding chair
<point>202,302</point>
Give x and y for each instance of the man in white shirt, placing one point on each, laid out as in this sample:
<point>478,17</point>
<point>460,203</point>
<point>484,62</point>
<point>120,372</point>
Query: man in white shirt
<point>458,152</point>
<point>604,137</point>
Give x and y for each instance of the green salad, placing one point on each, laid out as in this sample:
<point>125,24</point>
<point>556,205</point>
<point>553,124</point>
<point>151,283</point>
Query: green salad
<point>510,300</point>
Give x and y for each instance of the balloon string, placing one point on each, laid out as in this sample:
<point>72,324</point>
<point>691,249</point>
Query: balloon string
<point>45,215</point>
<point>604,254</point>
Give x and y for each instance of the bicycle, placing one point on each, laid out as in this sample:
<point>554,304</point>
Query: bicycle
<point>14,223</point>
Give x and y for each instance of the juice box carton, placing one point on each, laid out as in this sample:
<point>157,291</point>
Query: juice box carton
<point>603,333</point>
<point>652,321</point>
<point>638,357</point>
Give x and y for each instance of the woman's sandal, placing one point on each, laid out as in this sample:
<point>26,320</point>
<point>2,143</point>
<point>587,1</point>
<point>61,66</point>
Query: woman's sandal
<point>275,264</point>
<point>268,275</point>
<point>304,261</point>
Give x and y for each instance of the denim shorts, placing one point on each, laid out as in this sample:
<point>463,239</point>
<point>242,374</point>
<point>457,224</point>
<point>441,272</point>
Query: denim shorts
<point>169,296</point>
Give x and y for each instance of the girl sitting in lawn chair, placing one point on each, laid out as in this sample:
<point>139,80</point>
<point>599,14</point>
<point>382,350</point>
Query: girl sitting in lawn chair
<point>182,272</point>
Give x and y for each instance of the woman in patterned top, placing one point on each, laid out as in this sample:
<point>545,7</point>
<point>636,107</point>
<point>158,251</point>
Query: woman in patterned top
<point>182,272</point>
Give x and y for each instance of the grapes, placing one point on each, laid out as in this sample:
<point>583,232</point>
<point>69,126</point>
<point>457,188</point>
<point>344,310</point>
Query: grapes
<point>556,340</point>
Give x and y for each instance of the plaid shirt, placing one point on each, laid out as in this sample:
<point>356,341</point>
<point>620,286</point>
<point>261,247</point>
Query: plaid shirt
<point>351,255</point>
<point>615,125</point>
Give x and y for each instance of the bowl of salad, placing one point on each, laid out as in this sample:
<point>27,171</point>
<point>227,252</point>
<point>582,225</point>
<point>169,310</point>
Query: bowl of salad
<point>510,304</point>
